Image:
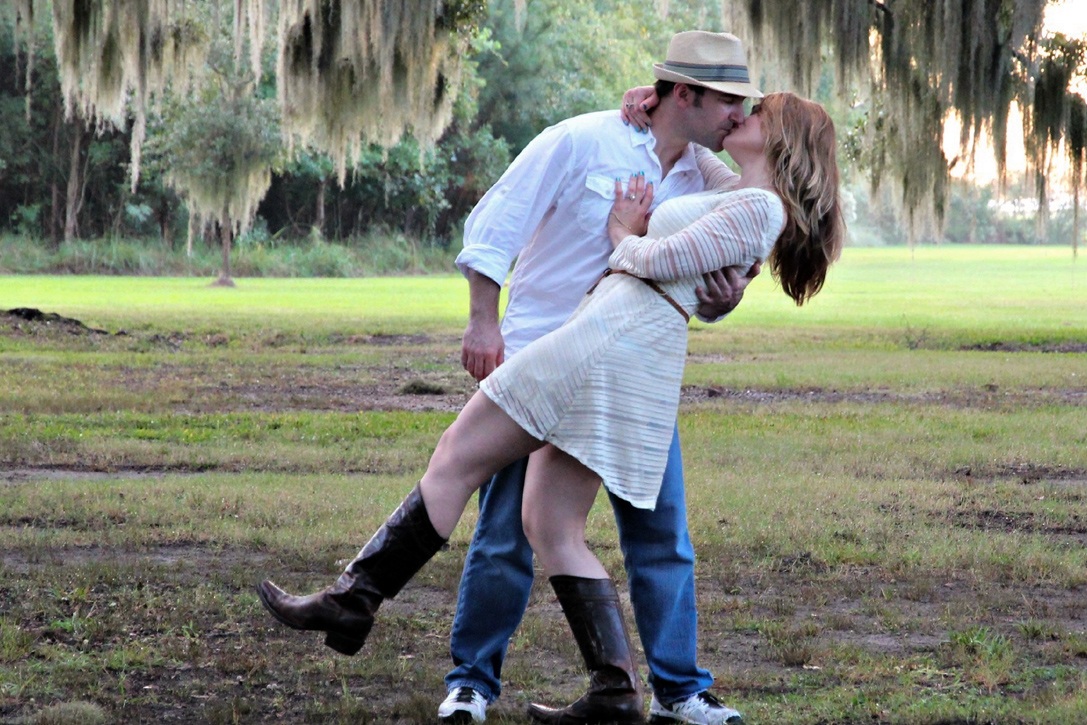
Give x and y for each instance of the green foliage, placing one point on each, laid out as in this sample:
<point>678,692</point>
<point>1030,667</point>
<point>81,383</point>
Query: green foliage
<point>563,58</point>
<point>427,194</point>
<point>256,255</point>
<point>217,144</point>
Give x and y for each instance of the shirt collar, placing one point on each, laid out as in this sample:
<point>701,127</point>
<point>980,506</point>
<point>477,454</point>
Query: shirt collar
<point>641,139</point>
<point>685,163</point>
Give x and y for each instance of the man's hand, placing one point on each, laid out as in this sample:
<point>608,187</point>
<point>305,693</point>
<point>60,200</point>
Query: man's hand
<point>723,291</point>
<point>482,349</point>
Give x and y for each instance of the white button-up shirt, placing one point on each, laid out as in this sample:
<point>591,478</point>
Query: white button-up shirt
<point>549,211</point>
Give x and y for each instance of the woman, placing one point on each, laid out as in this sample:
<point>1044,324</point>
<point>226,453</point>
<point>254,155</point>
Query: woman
<point>596,400</point>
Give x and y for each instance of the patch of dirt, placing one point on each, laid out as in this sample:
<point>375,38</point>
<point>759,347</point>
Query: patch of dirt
<point>986,396</point>
<point>199,558</point>
<point>19,476</point>
<point>1027,474</point>
<point>1000,346</point>
<point>390,340</point>
<point>1026,522</point>
<point>29,319</point>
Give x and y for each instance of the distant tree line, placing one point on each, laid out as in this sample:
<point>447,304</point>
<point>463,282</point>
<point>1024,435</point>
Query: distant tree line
<point>62,178</point>
<point>527,65</point>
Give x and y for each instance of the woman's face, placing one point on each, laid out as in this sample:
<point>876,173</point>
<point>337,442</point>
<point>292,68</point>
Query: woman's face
<point>747,138</point>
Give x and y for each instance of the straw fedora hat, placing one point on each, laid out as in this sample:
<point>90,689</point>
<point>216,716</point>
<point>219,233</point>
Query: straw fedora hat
<point>713,60</point>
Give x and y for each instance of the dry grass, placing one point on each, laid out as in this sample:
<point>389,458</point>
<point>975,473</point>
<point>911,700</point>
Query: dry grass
<point>874,546</point>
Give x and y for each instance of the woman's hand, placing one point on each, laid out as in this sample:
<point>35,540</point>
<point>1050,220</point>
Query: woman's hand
<point>630,211</point>
<point>636,104</point>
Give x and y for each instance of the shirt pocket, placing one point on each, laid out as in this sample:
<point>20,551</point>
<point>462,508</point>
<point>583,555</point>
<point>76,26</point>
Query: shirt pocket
<point>595,204</point>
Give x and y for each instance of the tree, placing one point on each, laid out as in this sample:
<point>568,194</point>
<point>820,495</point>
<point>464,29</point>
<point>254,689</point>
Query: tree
<point>216,146</point>
<point>926,61</point>
<point>350,72</point>
<point>354,72</point>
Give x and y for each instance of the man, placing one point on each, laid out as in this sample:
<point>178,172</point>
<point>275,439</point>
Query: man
<point>549,211</point>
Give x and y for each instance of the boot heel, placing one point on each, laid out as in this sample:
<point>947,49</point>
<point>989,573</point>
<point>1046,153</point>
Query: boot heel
<point>344,644</point>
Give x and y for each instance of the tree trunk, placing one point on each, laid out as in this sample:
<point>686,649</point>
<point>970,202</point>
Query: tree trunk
<point>164,212</point>
<point>74,198</point>
<point>1075,221</point>
<point>54,181</point>
<point>226,236</point>
<point>319,223</point>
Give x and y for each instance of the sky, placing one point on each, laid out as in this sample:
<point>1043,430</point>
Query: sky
<point>1066,16</point>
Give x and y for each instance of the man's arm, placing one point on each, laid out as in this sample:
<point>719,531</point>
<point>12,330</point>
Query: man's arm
<point>723,291</point>
<point>482,348</point>
<point>496,231</point>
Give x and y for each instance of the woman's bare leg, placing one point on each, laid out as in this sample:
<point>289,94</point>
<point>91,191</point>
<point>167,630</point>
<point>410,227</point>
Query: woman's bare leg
<point>480,442</point>
<point>559,491</point>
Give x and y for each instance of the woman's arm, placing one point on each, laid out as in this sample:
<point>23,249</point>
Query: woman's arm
<point>715,172</point>
<point>739,231</point>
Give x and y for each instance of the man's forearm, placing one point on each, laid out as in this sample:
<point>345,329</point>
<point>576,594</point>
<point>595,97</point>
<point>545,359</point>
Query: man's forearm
<point>483,296</point>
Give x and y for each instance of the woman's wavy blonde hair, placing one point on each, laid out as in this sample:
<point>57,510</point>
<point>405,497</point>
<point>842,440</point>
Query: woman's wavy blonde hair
<point>801,147</point>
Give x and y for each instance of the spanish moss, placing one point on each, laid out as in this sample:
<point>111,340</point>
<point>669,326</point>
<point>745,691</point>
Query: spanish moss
<point>351,72</point>
<point>924,63</point>
<point>354,73</point>
<point>113,54</point>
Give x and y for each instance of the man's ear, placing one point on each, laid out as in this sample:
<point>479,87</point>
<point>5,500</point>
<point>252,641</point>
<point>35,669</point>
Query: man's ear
<point>683,95</point>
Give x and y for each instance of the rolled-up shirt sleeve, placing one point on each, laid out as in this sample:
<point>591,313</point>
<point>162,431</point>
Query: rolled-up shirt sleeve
<point>738,231</point>
<point>508,215</point>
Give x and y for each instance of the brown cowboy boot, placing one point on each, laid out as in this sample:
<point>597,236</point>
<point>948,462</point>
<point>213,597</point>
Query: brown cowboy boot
<point>592,608</point>
<point>345,611</point>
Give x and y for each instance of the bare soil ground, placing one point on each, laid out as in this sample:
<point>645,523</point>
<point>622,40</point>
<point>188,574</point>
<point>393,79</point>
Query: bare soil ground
<point>249,669</point>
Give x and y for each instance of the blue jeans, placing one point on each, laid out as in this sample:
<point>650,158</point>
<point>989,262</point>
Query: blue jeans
<point>659,560</point>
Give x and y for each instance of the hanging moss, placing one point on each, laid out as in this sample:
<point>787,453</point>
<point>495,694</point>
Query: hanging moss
<point>926,61</point>
<point>113,54</point>
<point>1076,146</point>
<point>352,73</point>
<point>221,152</point>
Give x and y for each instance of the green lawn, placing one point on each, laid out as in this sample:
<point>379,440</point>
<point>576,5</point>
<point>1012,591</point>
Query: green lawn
<point>1033,294</point>
<point>886,490</point>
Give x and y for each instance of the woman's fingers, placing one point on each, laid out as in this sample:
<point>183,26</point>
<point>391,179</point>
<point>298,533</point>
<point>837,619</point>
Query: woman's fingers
<point>637,194</point>
<point>636,105</point>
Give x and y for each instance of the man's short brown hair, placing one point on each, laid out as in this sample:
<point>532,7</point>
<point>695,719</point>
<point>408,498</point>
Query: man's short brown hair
<point>663,89</point>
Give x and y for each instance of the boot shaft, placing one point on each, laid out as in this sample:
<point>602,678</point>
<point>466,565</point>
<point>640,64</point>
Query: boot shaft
<point>396,552</point>
<point>595,615</point>
<point>592,608</point>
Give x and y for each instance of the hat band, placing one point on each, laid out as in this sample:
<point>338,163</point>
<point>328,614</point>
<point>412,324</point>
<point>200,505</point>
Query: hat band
<point>715,73</point>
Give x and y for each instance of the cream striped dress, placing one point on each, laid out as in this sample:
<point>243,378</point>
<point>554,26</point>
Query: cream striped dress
<point>605,386</point>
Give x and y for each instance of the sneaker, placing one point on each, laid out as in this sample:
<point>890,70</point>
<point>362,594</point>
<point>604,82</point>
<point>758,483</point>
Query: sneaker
<point>701,709</point>
<point>462,706</point>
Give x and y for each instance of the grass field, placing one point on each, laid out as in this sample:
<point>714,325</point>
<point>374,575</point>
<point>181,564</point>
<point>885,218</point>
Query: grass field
<point>886,490</point>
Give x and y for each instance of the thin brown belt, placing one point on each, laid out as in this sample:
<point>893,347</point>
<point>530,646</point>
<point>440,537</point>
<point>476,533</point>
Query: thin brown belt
<point>651,284</point>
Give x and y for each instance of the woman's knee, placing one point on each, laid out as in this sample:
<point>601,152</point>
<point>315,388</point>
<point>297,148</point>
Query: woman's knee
<point>534,530</point>
<point>550,536</point>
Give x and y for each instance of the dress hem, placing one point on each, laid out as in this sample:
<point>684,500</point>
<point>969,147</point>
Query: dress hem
<point>536,433</point>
